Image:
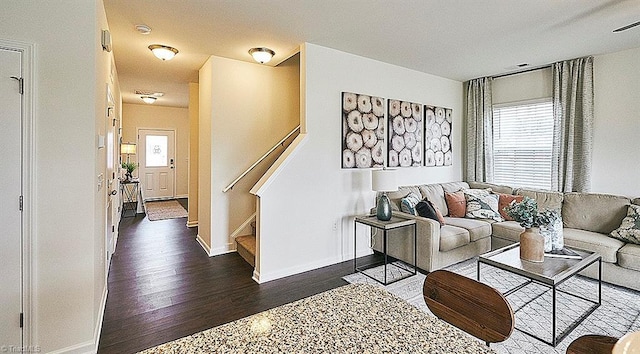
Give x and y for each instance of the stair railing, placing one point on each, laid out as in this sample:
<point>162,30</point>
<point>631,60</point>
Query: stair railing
<point>242,226</point>
<point>281,142</point>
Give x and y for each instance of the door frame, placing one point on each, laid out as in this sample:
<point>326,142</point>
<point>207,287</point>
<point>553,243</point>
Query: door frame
<point>175,154</point>
<point>28,53</point>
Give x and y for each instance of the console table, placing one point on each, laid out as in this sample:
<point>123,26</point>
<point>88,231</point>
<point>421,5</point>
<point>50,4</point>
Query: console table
<point>129,192</point>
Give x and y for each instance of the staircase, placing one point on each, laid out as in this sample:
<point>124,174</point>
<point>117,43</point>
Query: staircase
<point>246,246</point>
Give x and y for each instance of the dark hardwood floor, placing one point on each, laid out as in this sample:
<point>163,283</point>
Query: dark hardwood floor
<point>162,286</point>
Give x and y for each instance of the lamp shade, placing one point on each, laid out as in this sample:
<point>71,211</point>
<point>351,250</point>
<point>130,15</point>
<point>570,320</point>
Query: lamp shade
<point>128,148</point>
<point>384,180</point>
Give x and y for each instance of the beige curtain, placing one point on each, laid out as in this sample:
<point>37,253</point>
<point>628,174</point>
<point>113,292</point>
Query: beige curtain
<point>573,125</point>
<point>479,162</point>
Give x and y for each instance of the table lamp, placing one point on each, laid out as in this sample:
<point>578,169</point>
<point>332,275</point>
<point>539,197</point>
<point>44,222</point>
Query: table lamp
<point>383,181</point>
<point>128,148</point>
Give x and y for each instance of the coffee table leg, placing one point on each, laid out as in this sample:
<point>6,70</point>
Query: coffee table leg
<point>600,281</point>
<point>478,272</point>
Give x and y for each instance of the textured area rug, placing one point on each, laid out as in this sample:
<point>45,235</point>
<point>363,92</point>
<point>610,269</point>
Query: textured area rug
<point>165,209</point>
<point>355,318</point>
<point>618,314</point>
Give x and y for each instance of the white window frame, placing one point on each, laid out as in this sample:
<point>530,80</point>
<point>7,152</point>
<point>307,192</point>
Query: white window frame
<point>527,165</point>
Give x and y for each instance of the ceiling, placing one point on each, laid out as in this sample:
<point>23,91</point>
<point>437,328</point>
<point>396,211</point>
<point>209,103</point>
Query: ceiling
<point>456,39</point>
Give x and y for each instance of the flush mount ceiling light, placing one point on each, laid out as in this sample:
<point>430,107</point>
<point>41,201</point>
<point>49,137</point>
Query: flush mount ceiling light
<point>262,55</point>
<point>148,99</point>
<point>163,52</point>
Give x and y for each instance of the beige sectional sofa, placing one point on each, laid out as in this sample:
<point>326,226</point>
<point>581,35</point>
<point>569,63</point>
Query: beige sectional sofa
<point>588,219</point>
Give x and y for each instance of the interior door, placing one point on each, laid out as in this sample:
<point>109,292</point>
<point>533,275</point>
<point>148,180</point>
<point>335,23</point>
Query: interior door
<point>10,199</point>
<point>110,175</point>
<point>157,163</point>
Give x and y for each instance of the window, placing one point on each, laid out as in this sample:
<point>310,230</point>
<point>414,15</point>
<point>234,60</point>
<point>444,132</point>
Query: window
<point>156,152</point>
<point>522,143</point>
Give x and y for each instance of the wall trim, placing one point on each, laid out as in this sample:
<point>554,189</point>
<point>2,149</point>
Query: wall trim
<point>281,273</point>
<point>204,245</point>
<point>98,331</point>
<point>80,348</point>
<point>29,216</point>
<point>228,248</point>
<point>192,223</point>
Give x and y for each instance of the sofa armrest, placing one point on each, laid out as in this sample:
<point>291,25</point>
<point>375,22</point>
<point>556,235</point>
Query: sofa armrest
<point>427,239</point>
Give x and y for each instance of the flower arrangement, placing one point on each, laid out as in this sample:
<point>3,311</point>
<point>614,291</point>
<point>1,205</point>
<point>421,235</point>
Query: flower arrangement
<point>527,215</point>
<point>130,167</point>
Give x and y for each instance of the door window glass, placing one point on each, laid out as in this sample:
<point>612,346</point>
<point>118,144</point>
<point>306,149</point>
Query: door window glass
<point>156,151</point>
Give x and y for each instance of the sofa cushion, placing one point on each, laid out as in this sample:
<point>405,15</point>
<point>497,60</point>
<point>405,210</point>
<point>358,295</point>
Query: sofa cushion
<point>454,186</point>
<point>606,246</point>
<point>508,230</point>
<point>504,201</point>
<point>629,230</point>
<point>452,237</point>
<point>481,204</point>
<point>456,204</point>
<point>435,194</point>
<point>629,257</point>
<point>478,229</point>
<point>408,203</point>
<point>496,188</point>
<point>545,199</point>
<point>601,213</point>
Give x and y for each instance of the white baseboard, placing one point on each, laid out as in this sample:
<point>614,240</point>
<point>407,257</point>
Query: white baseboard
<point>192,223</point>
<point>203,245</point>
<point>81,348</point>
<point>98,331</point>
<point>182,196</point>
<point>281,273</point>
<point>228,248</point>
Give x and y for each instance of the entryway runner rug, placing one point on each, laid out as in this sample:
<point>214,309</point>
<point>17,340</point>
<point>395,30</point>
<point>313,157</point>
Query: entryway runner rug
<point>618,314</point>
<point>164,209</point>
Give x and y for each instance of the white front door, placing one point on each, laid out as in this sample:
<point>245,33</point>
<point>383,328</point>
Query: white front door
<point>157,163</point>
<point>10,199</point>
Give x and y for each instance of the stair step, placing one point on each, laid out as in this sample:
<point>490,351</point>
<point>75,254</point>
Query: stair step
<point>247,248</point>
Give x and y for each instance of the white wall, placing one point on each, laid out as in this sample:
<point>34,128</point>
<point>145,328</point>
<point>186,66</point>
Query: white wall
<point>616,145</point>
<point>69,92</point>
<point>616,116</point>
<point>521,87</point>
<point>249,108</point>
<point>144,116</point>
<point>311,192</point>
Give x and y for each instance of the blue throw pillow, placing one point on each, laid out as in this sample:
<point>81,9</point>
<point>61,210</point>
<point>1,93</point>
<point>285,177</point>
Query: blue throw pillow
<point>408,203</point>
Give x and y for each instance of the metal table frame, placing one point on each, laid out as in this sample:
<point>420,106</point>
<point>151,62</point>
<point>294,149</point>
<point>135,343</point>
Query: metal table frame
<point>129,190</point>
<point>588,259</point>
<point>386,226</point>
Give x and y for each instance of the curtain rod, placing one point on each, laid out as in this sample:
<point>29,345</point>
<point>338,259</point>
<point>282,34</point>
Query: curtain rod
<point>522,71</point>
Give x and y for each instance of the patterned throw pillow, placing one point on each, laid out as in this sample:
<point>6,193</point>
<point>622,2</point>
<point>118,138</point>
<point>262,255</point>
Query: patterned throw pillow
<point>481,204</point>
<point>629,230</point>
<point>408,203</point>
